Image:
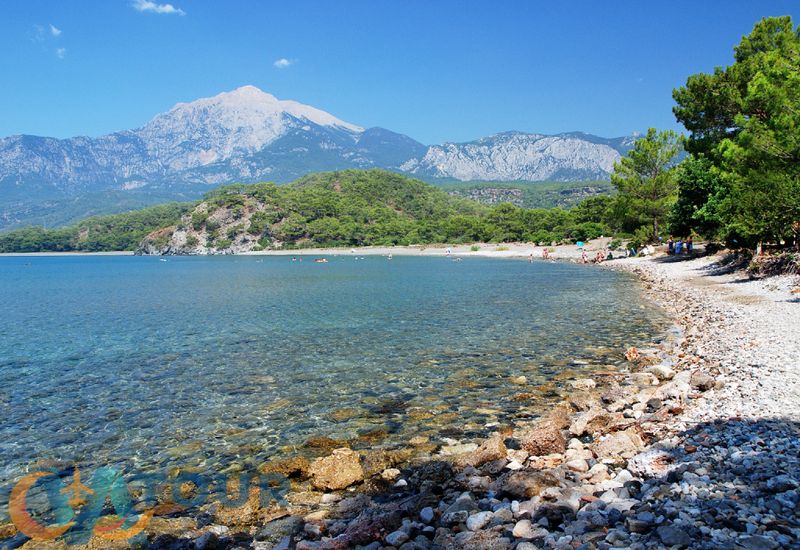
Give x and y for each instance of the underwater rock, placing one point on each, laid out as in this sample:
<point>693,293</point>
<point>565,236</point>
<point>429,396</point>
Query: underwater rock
<point>339,470</point>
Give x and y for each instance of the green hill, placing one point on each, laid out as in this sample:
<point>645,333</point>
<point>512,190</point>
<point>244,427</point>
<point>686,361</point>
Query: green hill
<point>344,208</point>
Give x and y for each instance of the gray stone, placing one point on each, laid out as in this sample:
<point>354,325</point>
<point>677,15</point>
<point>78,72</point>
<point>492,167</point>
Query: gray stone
<point>757,542</point>
<point>451,518</point>
<point>479,520</point>
<point>206,541</point>
<point>396,538</point>
<point>578,465</point>
<point>781,483</point>
<point>426,515</point>
<point>463,503</point>
<point>662,372</point>
<point>702,381</point>
<point>673,536</point>
<point>524,529</point>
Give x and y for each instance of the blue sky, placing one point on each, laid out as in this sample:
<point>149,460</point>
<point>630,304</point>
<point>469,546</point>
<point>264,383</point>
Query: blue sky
<point>435,70</point>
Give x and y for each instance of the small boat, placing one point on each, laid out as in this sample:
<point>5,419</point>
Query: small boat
<point>162,259</point>
<point>321,261</point>
<point>389,257</point>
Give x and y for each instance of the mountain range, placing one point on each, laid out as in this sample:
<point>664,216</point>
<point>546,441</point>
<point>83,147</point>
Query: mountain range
<point>248,135</point>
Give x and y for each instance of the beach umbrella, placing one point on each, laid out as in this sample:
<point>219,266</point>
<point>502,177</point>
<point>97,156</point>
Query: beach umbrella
<point>579,244</point>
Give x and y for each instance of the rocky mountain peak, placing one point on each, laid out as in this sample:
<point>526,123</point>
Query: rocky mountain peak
<point>248,135</point>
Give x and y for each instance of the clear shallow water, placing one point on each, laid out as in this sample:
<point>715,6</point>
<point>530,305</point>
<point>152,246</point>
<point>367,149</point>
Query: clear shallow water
<point>206,361</point>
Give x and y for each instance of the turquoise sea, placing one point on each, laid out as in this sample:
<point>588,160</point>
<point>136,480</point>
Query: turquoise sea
<point>145,364</point>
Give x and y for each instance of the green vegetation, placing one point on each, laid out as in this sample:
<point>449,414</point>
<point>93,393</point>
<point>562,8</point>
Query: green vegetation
<point>530,194</point>
<point>375,207</point>
<point>645,180</point>
<point>742,182</point>
<point>100,233</point>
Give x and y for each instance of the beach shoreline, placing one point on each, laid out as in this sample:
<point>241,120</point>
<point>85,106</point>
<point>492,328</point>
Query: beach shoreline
<point>485,250</point>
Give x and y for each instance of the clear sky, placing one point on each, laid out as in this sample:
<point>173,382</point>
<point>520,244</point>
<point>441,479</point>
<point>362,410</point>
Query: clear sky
<point>436,70</point>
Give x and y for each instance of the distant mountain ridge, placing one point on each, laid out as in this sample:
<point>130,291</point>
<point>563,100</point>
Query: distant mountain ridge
<point>248,135</point>
<point>514,156</point>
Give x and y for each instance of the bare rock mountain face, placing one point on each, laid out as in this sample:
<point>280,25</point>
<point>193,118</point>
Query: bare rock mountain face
<point>514,156</point>
<point>248,135</point>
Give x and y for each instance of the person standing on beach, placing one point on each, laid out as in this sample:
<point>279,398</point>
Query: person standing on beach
<point>584,258</point>
<point>689,245</point>
<point>670,246</point>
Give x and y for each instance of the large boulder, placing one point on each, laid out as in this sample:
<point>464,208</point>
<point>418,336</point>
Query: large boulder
<point>337,471</point>
<point>545,437</point>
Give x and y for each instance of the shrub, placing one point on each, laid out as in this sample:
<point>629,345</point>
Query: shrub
<point>199,219</point>
<point>587,231</point>
<point>191,241</point>
<point>474,248</point>
<point>261,221</point>
<point>233,231</point>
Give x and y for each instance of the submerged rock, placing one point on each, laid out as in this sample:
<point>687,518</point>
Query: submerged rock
<point>337,471</point>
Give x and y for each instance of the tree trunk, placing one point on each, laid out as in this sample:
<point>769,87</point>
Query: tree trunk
<point>655,230</point>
